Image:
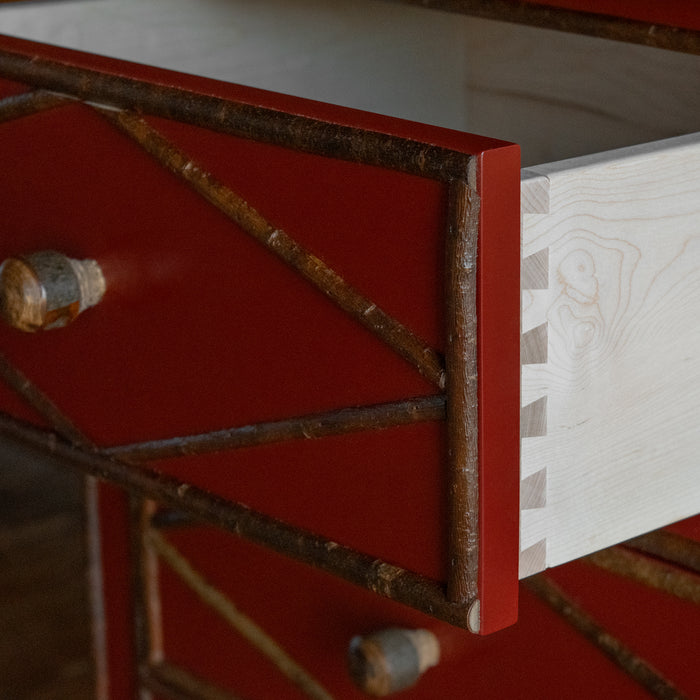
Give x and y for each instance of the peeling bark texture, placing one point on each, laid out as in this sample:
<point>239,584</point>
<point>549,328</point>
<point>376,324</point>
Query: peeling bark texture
<point>246,121</point>
<point>311,427</point>
<point>462,388</point>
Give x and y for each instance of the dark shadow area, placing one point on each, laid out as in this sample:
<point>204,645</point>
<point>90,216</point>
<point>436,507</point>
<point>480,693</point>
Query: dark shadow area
<point>45,642</point>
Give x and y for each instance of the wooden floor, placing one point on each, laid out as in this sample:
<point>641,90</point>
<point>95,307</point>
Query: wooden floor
<point>44,621</point>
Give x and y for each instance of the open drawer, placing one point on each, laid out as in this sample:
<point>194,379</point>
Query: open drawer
<point>306,368</point>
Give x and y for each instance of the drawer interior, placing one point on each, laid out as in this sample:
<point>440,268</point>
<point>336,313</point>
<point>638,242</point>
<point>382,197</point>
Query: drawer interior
<point>558,95</point>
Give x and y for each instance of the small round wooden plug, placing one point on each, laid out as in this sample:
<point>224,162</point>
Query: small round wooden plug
<point>47,290</point>
<point>391,660</point>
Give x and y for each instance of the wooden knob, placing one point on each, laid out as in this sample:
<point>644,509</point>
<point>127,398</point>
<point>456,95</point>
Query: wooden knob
<point>47,290</point>
<point>391,660</point>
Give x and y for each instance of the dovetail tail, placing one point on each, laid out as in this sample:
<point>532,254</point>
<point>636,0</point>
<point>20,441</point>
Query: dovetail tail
<point>533,419</point>
<point>533,559</point>
<point>533,346</point>
<point>533,490</point>
<point>534,193</point>
<point>535,270</point>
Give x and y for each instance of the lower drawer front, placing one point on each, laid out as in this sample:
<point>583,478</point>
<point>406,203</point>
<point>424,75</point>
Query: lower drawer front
<point>313,617</point>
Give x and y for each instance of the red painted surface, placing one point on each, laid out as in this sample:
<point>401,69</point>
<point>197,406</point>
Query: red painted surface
<point>203,329</point>
<point>314,615</point>
<point>499,372</point>
<point>684,14</point>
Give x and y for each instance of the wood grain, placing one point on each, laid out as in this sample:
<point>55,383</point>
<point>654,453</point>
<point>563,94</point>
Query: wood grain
<point>622,371</point>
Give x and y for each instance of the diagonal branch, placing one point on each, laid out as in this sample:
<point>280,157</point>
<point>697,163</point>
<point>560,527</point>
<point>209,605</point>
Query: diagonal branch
<point>424,358</point>
<point>648,571</point>
<point>670,547</point>
<point>28,103</point>
<point>239,621</point>
<point>41,403</point>
<point>623,657</point>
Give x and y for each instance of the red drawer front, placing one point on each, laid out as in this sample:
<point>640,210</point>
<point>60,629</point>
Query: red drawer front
<point>203,328</point>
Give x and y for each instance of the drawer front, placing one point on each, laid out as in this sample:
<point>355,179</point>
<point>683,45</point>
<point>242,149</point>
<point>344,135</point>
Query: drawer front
<point>282,279</point>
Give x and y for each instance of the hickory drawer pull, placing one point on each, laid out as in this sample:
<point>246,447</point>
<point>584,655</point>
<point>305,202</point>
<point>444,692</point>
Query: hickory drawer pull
<point>47,290</point>
<point>391,660</point>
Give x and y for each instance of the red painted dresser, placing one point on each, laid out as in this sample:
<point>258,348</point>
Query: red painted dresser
<point>301,390</point>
